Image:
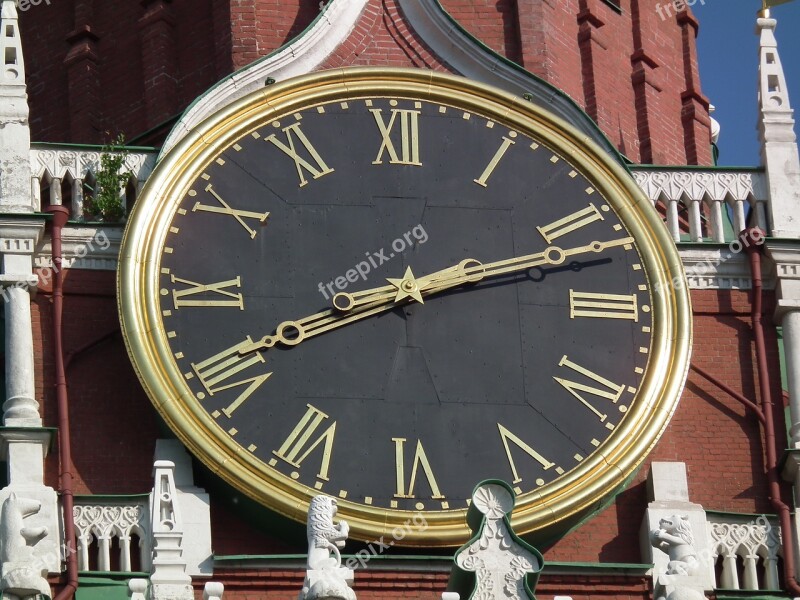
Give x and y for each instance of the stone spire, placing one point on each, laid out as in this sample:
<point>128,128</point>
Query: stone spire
<point>15,137</point>
<point>779,152</point>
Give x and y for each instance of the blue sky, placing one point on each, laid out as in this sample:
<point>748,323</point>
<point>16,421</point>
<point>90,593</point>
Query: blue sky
<point>728,54</point>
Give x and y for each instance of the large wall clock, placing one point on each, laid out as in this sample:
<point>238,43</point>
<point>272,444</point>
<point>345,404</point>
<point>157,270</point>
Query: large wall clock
<point>388,285</point>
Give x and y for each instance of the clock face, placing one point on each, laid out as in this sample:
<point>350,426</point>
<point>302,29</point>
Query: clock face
<point>388,295</point>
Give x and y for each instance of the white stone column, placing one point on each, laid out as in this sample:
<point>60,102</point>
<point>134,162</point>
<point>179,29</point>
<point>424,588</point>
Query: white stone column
<point>791,346</point>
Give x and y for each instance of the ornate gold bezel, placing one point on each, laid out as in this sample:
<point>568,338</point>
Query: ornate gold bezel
<point>569,496</point>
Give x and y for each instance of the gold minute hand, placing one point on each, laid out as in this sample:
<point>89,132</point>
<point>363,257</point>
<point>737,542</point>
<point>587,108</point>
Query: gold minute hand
<point>360,305</point>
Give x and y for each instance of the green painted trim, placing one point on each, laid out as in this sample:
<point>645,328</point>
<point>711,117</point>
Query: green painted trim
<point>173,119</point>
<point>114,576</point>
<point>25,216</point>
<point>113,585</point>
<point>610,569</point>
<point>723,594</point>
<point>98,147</point>
<point>106,224</point>
<point>650,167</point>
<point>725,513</point>
<point>101,497</point>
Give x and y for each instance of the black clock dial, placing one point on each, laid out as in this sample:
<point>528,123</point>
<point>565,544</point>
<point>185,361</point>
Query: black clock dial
<point>517,363</point>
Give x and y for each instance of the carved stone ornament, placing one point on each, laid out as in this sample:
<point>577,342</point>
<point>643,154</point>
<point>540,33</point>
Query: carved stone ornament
<point>504,566</point>
<point>682,580</point>
<point>23,575</point>
<point>326,579</point>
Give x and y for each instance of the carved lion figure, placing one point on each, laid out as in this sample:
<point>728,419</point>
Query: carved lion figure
<point>674,537</point>
<point>324,538</point>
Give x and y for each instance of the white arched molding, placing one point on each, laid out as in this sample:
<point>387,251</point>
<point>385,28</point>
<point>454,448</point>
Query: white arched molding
<point>474,60</point>
<point>304,54</point>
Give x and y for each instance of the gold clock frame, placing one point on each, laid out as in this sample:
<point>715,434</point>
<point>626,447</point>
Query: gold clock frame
<point>565,499</point>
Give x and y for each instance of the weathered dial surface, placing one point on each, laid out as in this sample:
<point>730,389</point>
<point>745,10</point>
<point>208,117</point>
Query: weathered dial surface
<point>388,298</point>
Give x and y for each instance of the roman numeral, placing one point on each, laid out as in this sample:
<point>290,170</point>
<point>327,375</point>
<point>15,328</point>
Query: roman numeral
<point>317,169</point>
<point>507,437</point>
<point>602,306</point>
<point>608,390</point>
<point>420,460</point>
<point>218,373</point>
<point>409,136</point>
<point>184,297</point>
<point>298,446</point>
<point>225,209</point>
<point>570,223</point>
<point>487,172</point>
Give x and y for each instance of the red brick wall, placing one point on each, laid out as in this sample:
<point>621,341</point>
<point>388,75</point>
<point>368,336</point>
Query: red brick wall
<point>135,66</point>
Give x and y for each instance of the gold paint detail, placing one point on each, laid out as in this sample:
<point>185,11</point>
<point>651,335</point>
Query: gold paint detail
<point>420,459</point>
<point>171,334</point>
<point>368,500</point>
<point>166,313</point>
<point>409,136</point>
<point>595,443</point>
<point>321,110</point>
<point>567,496</point>
<point>220,161</point>
<point>216,414</point>
<point>184,298</point>
<point>407,287</point>
<point>342,493</point>
<point>174,230</point>
<point>215,372</point>
<point>182,211</point>
<point>233,431</point>
<point>466,116</point>
<point>568,224</point>
<point>237,147</point>
<point>638,370</point>
<point>518,490</point>
<point>498,155</point>
<point>297,446</point>
<point>573,174</point>
<point>179,355</point>
<point>293,133</point>
<point>206,177</point>
<point>602,306</point>
<point>506,436</point>
<point>636,267</point>
<point>252,448</point>
<point>609,390</point>
<point>239,215</point>
<point>590,190</point>
<point>393,503</point>
<point>272,462</point>
<point>420,506</point>
<point>167,250</point>
<point>578,457</point>
<point>554,159</point>
<point>318,485</point>
<point>445,505</point>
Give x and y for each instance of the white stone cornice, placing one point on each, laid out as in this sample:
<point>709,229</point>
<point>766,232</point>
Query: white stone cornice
<point>83,247</point>
<point>59,162</point>
<point>476,61</point>
<point>718,268</point>
<point>302,55</point>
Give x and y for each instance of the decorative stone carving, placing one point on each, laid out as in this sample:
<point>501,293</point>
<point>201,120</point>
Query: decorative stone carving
<point>682,580</point>
<point>326,579</point>
<point>23,574</point>
<point>106,522</point>
<point>752,541</point>
<point>504,565</point>
<point>674,537</point>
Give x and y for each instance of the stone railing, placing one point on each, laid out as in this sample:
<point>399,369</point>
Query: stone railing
<point>693,201</point>
<point>63,173</point>
<point>113,533</point>
<point>745,551</point>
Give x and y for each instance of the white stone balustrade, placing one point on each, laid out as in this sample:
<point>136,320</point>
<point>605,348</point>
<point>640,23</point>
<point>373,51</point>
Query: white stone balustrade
<point>746,551</point>
<point>695,200</point>
<point>105,526</point>
<point>54,165</point>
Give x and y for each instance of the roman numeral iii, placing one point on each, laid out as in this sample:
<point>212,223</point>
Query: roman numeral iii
<point>409,136</point>
<point>607,390</point>
<point>420,460</point>
<point>602,306</point>
<point>315,167</point>
<point>219,373</point>
<point>298,446</point>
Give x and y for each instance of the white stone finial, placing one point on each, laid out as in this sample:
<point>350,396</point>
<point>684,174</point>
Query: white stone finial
<point>169,578</point>
<point>138,589</point>
<point>11,47</point>
<point>326,579</point>
<point>213,590</point>
<point>779,153</point>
